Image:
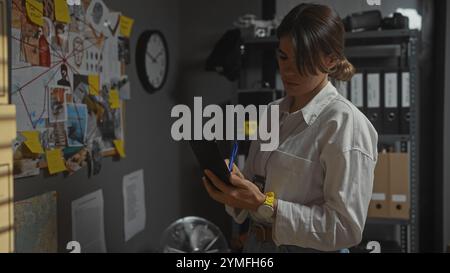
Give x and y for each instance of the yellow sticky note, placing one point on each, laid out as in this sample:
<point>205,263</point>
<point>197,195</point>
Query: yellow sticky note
<point>62,13</point>
<point>126,25</point>
<point>35,12</point>
<point>94,84</point>
<point>114,99</point>
<point>33,142</point>
<point>55,161</point>
<point>251,127</point>
<point>120,147</point>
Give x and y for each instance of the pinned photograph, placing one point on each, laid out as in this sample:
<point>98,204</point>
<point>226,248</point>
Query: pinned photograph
<point>59,134</point>
<point>77,121</point>
<point>60,42</point>
<point>58,105</point>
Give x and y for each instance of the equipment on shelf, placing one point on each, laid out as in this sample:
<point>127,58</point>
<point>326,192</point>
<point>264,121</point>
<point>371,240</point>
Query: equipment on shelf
<point>254,28</point>
<point>373,20</point>
<point>225,58</point>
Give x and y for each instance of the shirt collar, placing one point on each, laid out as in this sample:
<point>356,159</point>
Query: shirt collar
<point>314,108</point>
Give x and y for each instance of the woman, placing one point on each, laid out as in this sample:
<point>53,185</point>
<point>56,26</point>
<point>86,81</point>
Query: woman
<point>318,183</point>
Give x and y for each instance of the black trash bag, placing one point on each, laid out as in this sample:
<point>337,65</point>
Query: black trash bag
<point>225,58</point>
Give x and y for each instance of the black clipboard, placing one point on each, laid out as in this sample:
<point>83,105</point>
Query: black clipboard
<point>210,158</point>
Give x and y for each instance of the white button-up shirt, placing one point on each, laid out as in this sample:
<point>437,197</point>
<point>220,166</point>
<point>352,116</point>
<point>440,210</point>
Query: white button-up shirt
<point>322,173</point>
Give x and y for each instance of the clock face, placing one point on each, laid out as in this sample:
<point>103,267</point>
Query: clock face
<point>156,60</point>
<point>152,60</point>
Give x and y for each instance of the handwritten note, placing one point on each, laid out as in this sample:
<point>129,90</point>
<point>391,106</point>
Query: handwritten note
<point>33,142</point>
<point>114,99</point>
<point>35,12</point>
<point>126,26</point>
<point>118,143</point>
<point>94,84</point>
<point>62,13</point>
<point>55,161</point>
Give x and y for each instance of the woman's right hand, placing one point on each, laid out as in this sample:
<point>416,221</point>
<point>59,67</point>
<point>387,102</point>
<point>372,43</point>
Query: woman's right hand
<point>235,170</point>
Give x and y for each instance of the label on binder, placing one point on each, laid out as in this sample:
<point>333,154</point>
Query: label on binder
<point>373,90</point>
<point>357,90</point>
<point>406,100</point>
<point>399,198</point>
<point>378,196</point>
<point>391,90</point>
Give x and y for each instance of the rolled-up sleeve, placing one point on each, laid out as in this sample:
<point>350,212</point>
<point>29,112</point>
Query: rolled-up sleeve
<point>339,222</point>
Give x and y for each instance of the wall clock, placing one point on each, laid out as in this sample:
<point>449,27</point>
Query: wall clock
<point>152,60</point>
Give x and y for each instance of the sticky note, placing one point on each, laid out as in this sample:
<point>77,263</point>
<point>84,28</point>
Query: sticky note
<point>126,25</point>
<point>55,161</point>
<point>251,127</point>
<point>118,143</point>
<point>33,142</point>
<point>94,84</point>
<point>35,12</point>
<point>114,99</point>
<point>62,13</point>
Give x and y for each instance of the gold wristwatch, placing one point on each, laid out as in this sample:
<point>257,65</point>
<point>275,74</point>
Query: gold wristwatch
<point>267,209</point>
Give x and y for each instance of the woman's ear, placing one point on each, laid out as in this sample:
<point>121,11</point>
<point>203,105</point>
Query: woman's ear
<point>330,62</point>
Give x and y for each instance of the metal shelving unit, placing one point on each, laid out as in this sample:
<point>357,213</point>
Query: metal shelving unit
<point>401,48</point>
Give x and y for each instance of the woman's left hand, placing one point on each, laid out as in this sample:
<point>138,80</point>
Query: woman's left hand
<point>243,194</point>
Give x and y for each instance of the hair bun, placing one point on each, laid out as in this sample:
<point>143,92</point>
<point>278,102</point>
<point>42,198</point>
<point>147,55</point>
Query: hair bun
<point>343,71</point>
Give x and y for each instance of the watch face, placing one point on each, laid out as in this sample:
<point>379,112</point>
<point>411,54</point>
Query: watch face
<point>266,211</point>
<point>152,59</point>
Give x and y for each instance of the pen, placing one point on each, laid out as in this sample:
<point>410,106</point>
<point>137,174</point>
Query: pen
<point>233,155</point>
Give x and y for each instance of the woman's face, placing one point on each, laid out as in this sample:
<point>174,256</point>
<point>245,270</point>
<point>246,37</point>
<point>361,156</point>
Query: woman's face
<point>294,83</point>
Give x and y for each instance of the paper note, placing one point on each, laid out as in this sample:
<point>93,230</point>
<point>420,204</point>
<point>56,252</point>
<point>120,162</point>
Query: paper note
<point>94,84</point>
<point>134,203</point>
<point>33,142</point>
<point>62,13</point>
<point>88,224</point>
<point>114,99</point>
<point>35,12</point>
<point>118,143</point>
<point>126,25</point>
<point>55,161</point>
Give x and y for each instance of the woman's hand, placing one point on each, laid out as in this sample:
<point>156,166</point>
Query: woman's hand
<point>243,194</point>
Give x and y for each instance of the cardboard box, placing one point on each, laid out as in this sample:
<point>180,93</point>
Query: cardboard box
<point>378,207</point>
<point>399,201</point>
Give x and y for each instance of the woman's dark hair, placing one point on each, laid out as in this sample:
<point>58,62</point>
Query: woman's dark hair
<point>317,31</point>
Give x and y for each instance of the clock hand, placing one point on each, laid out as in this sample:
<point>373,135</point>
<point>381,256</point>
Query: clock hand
<point>159,54</point>
<point>151,57</point>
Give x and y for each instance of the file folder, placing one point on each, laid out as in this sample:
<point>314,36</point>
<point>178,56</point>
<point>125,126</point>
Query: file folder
<point>373,100</point>
<point>342,88</point>
<point>406,103</point>
<point>391,120</point>
<point>357,91</point>
<point>399,201</point>
<point>378,207</point>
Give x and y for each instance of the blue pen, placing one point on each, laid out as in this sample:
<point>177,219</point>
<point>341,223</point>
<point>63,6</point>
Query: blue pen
<point>233,156</point>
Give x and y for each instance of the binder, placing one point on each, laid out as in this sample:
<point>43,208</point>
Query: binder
<point>405,103</point>
<point>357,91</point>
<point>391,120</point>
<point>342,88</point>
<point>399,201</point>
<point>378,207</point>
<point>373,100</point>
